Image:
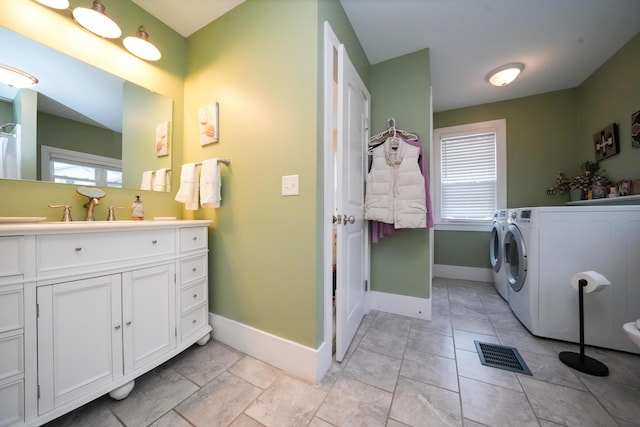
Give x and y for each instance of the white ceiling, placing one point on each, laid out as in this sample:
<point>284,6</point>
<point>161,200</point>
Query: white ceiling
<point>561,42</point>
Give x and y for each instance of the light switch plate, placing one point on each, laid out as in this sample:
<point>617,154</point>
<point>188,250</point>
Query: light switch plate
<point>291,185</point>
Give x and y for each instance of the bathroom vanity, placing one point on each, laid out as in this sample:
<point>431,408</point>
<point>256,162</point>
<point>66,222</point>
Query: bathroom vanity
<point>86,307</point>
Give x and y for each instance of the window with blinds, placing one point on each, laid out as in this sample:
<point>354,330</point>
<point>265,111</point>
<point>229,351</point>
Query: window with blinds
<point>469,171</point>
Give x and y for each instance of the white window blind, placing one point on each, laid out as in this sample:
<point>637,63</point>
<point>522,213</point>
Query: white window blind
<point>468,178</point>
<point>469,166</point>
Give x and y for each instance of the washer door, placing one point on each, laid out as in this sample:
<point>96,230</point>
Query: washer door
<point>515,257</point>
<point>495,247</point>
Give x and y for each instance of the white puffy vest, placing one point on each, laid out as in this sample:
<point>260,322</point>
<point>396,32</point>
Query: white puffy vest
<point>395,192</point>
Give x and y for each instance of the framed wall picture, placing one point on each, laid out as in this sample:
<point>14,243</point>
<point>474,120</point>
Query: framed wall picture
<point>162,139</point>
<point>635,129</point>
<point>606,142</point>
<point>208,124</point>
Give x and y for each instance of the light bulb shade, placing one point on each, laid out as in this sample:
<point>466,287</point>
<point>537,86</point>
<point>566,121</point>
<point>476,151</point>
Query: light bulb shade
<point>16,78</point>
<point>96,21</point>
<point>141,47</point>
<point>56,4</point>
<point>504,75</point>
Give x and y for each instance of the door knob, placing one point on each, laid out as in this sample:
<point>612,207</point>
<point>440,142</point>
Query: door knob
<point>349,219</point>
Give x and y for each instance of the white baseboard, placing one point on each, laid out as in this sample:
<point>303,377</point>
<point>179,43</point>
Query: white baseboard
<point>302,361</point>
<point>419,308</point>
<point>463,273</point>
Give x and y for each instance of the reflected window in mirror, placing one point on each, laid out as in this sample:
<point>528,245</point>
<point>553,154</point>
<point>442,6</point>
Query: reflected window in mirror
<point>72,167</point>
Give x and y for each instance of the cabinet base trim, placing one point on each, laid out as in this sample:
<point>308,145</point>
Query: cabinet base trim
<point>290,356</point>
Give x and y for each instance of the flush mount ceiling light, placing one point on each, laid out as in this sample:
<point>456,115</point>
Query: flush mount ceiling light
<point>141,47</point>
<point>505,74</point>
<point>95,20</point>
<point>56,4</point>
<point>16,78</point>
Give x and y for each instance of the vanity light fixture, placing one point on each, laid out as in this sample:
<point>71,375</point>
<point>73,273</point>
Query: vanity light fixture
<point>56,4</point>
<point>141,47</point>
<point>505,74</point>
<point>16,78</point>
<point>95,20</point>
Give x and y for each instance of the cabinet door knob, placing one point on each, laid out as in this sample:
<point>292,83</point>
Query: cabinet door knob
<point>154,241</point>
<point>129,322</point>
<point>194,269</point>
<point>78,249</point>
<point>195,238</point>
<point>117,326</point>
<point>193,321</point>
<point>195,295</point>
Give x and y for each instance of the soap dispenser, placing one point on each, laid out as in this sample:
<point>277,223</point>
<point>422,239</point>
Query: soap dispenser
<point>137,210</point>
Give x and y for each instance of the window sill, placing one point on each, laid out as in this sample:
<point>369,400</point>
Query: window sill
<point>484,226</point>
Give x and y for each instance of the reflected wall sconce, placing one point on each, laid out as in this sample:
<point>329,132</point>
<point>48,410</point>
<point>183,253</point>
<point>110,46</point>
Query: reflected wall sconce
<point>505,74</point>
<point>16,78</point>
<point>95,20</point>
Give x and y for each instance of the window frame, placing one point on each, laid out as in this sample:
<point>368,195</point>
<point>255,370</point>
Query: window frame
<point>498,126</point>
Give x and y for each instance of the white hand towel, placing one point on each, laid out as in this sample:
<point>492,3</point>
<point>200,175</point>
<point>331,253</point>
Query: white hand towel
<point>147,178</point>
<point>160,180</point>
<point>188,191</point>
<point>210,184</point>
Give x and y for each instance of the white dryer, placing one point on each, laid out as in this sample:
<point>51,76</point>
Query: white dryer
<point>521,267</point>
<point>546,246</point>
<point>496,251</point>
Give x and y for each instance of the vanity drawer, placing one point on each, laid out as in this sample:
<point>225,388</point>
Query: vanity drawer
<point>193,238</point>
<point>12,403</point>
<point>193,295</point>
<point>11,308</point>
<point>193,320</point>
<point>11,256</point>
<point>57,252</point>
<point>194,268</point>
<point>11,355</point>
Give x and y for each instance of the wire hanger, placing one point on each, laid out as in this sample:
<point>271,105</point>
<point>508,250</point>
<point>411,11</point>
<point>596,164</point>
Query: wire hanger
<point>391,131</point>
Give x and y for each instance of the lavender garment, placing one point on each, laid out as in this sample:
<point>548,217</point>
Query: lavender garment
<point>380,229</point>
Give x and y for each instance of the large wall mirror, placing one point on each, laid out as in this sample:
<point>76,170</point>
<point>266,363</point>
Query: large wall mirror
<point>79,124</point>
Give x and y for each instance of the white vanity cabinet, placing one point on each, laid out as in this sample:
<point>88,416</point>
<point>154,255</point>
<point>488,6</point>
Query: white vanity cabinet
<point>85,308</point>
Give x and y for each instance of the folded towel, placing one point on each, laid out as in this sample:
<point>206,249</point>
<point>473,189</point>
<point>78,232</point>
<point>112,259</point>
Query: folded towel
<point>188,191</point>
<point>210,184</point>
<point>147,179</point>
<point>160,180</point>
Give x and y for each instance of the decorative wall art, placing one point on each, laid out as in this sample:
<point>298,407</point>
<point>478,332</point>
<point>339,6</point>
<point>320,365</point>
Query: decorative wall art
<point>162,139</point>
<point>606,143</point>
<point>635,129</point>
<point>208,124</point>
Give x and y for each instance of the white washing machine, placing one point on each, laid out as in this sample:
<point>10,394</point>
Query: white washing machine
<point>555,243</point>
<point>496,251</point>
<point>521,262</point>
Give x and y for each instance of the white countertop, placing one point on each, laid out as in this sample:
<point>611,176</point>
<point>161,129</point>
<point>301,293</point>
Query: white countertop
<point>88,226</point>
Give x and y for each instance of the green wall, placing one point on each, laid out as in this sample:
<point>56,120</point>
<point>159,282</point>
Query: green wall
<point>166,76</point>
<point>400,88</point>
<point>549,133</point>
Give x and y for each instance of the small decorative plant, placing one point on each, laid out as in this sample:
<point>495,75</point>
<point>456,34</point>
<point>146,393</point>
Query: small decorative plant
<point>589,177</point>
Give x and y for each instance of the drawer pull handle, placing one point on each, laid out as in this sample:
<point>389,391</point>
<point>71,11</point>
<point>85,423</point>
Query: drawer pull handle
<point>195,238</point>
<point>154,241</point>
<point>117,327</point>
<point>194,269</point>
<point>193,321</point>
<point>195,295</point>
<point>129,322</point>
<point>78,249</point>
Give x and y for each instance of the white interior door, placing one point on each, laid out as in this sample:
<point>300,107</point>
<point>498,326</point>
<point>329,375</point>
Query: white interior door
<point>351,235</point>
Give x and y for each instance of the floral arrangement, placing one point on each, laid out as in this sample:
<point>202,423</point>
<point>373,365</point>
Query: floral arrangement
<point>589,177</point>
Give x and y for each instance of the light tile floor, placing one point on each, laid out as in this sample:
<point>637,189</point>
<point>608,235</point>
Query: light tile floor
<point>398,372</point>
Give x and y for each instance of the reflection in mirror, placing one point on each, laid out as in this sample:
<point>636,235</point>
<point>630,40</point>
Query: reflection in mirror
<point>79,124</point>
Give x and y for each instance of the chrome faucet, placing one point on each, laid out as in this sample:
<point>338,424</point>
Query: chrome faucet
<point>89,205</point>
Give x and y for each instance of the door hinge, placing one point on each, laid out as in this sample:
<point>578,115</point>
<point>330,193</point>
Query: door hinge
<point>366,285</point>
<point>175,332</point>
<point>174,278</point>
<point>37,311</point>
<point>38,391</point>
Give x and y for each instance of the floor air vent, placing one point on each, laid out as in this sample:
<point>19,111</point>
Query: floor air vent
<point>500,356</point>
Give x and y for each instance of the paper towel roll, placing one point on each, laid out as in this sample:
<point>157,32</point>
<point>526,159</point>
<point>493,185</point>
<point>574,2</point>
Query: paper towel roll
<point>595,281</point>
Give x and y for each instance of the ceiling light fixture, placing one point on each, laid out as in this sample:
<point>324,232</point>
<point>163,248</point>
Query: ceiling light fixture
<point>505,74</point>
<point>16,78</point>
<point>56,4</point>
<point>141,47</point>
<point>95,20</point>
